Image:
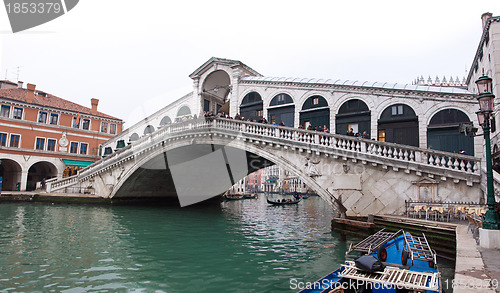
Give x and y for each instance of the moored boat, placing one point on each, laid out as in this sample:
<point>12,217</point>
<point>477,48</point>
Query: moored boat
<point>284,201</point>
<point>391,262</point>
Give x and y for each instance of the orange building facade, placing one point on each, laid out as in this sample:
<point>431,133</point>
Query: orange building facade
<point>44,136</point>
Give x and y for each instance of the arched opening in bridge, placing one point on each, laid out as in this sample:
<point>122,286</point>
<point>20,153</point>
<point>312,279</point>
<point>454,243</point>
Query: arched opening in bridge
<point>315,113</point>
<point>165,121</point>
<point>215,92</point>
<point>38,171</point>
<point>281,109</point>
<point>443,132</point>
<point>398,123</point>
<point>183,113</point>
<point>11,172</point>
<point>251,106</point>
<point>149,129</point>
<point>133,137</point>
<point>353,114</point>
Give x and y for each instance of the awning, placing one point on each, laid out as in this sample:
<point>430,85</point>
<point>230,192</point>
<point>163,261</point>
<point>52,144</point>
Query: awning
<point>272,179</point>
<point>75,163</point>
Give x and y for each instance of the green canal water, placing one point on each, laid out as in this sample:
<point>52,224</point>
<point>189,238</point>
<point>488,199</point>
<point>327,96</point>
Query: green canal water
<point>237,246</point>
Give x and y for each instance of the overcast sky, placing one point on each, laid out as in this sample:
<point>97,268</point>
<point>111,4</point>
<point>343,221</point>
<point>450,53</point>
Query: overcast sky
<point>135,56</point>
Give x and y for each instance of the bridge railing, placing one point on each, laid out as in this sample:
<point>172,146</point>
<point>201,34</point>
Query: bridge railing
<point>349,145</point>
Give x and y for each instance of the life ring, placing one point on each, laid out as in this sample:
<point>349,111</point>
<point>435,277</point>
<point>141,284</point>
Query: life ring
<point>382,254</point>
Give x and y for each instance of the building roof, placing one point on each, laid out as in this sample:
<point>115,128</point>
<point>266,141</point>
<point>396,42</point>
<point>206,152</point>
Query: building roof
<point>355,83</point>
<point>47,100</point>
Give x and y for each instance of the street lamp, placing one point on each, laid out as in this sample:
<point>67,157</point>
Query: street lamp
<point>485,99</point>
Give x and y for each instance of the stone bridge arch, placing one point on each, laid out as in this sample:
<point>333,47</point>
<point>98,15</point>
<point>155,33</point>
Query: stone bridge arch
<point>262,155</point>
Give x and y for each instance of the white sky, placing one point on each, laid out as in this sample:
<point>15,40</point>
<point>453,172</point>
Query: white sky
<point>135,56</point>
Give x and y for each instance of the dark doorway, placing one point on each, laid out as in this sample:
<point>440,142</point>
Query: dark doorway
<point>315,112</point>
<point>353,114</point>
<point>398,124</point>
<point>251,107</point>
<point>281,109</point>
<point>443,132</point>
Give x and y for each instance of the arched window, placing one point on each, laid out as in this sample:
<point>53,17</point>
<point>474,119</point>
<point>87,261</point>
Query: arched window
<point>165,121</point>
<point>443,132</point>
<point>134,137</point>
<point>353,114</point>
<point>251,106</point>
<point>398,123</point>
<point>281,110</point>
<point>149,129</point>
<point>183,111</point>
<point>315,113</point>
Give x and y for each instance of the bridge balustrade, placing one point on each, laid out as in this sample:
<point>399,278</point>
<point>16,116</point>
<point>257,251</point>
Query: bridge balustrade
<point>343,145</point>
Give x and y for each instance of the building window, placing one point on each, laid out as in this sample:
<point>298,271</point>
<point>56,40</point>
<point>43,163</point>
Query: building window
<point>42,117</point>
<point>75,123</point>
<point>86,124</point>
<point>51,145</point>
<point>54,118</point>
<point>5,111</point>
<point>104,127</point>
<point>112,128</point>
<point>18,113</point>
<point>14,140</point>
<point>3,139</point>
<point>206,105</point>
<point>40,143</point>
<point>315,100</point>
<point>397,110</point>
<point>73,148</point>
<point>259,113</point>
<point>381,135</point>
<point>83,148</point>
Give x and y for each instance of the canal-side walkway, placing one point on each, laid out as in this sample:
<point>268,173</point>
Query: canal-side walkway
<point>476,269</point>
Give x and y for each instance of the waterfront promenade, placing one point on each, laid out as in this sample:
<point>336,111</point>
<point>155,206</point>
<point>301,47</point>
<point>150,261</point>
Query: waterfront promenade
<point>475,266</point>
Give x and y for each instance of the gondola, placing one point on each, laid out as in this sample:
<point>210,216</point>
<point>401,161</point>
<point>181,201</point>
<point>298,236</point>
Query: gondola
<point>284,201</point>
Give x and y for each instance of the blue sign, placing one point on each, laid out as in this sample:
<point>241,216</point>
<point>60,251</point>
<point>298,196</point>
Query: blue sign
<point>1,179</point>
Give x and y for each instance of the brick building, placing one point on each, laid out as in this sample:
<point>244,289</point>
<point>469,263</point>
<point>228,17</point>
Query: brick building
<point>44,136</point>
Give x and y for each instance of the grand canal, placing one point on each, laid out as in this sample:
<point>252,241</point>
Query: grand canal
<point>237,246</point>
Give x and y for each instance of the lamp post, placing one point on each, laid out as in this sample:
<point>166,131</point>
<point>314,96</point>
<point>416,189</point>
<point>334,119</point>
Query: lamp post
<point>484,115</point>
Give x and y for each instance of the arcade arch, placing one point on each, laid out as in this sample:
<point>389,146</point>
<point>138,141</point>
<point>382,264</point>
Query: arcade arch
<point>149,129</point>
<point>215,92</point>
<point>39,171</point>
<point>11,173</point>
<point>315,112</point>
<point>251,106</point>
<point>353,114</point>
<point>443,132</point>
<point>398,123</point>
<point>281,109</point>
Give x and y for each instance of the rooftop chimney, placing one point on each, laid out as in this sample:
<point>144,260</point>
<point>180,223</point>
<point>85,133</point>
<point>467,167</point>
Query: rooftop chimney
<point>94,103</point>
<point>19,84</point>
<point>485,17</point>
<point>30,93</point>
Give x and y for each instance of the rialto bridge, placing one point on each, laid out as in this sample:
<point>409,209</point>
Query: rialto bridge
<point>201,158</point>
<point>415,115</point>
